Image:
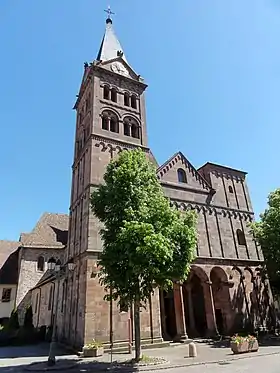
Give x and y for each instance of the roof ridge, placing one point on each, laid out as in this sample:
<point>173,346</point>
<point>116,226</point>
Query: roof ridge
<point>194,169</point>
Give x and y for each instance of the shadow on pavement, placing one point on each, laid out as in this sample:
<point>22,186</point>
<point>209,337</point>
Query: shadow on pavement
<point>12,352</point>
<point>82,366</point>
<point>224,342</point>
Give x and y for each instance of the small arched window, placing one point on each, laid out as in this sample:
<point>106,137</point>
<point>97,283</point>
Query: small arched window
<point>114,127</point>
<point>131,127</point>
<point>41,263</point>
<point>114,95</point>
<point>105,123</point>
<point>135,130</point>
<point>182,177</point>
<point>126,99</point>
<point>106,92</point>
<point>133,102</point>
<point>126,128</point>
<point>230,189</point>
<point>241,237</point>
<point>110,121</point>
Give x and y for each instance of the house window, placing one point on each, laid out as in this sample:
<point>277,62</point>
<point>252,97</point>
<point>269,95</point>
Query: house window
<point>41,263</point>
<point>240,237</point>
<point>114,95</point>
<point>126,128</point>
<point>230,189</point>
<point>6,295</point>
<point>182,177</point>
<point>50,298</point>
<point>106,92</point>
<point>126,99</point>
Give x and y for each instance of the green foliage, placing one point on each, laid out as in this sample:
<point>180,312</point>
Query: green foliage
<point>94,344</point>
<point>147,243</point>
<point>267,235</point>
<point>28,318</point>
<point>13,323</point>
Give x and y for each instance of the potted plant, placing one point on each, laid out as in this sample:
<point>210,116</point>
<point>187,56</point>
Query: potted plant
<point>93,349</point>
<point>241,344</point>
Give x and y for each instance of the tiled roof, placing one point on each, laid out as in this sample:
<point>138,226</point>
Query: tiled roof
<point>9,262</point>
<point>51,230</point>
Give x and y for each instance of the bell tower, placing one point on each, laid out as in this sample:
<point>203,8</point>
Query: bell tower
<point>110,117</point>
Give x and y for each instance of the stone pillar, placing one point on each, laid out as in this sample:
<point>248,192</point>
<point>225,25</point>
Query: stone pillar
<point>190,308</point>
<point>210,309</point>
<point>180,314</point>
<point>162,312</point>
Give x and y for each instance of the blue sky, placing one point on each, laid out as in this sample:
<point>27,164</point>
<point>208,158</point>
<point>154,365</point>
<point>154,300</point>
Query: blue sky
<point>213,69</point>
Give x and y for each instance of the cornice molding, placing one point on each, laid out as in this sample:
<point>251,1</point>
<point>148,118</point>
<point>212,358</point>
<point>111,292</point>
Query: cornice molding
<point>212,210</point>
<point>184,187</point>
<point>228,261</point>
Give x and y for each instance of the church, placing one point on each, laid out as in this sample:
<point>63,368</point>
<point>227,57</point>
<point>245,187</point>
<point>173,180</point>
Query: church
<point>225,290</point>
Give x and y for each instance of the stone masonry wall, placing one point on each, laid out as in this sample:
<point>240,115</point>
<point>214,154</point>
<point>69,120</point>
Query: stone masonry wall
<point>29,275</point>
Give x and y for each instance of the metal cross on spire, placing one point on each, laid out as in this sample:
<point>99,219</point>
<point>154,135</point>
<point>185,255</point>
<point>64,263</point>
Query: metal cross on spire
<point>109,12</point>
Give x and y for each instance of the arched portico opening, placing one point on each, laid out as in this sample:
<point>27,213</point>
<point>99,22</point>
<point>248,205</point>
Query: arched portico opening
<point>168,316</point>
<point>221,299</point>
<point>194,303</point>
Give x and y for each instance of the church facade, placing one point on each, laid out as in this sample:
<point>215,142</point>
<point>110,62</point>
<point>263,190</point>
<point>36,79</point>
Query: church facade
<point>225,290</point>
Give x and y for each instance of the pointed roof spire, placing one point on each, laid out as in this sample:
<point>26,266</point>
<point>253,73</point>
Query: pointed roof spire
<point>110,47</point>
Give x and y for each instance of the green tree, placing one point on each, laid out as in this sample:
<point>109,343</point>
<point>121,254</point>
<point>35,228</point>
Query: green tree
<point>267,235</point>
<point>28,318</point>
<point>146,242</point>
<point>13,320</point>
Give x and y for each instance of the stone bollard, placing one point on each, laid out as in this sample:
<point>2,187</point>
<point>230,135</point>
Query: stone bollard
<point>192,350</point>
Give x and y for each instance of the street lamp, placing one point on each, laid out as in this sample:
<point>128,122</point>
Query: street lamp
<point>59,272</point>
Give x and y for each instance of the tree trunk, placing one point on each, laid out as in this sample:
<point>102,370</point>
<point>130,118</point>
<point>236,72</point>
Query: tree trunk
<point>137,332</point>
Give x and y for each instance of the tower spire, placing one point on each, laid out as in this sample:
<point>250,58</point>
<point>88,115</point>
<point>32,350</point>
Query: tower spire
<point>110,47</point>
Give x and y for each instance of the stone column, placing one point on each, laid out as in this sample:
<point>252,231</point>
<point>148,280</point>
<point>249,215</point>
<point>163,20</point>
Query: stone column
<point>190,308</point>
<point>180,314</point>
<point>210,309</point>
<point>163,315</point>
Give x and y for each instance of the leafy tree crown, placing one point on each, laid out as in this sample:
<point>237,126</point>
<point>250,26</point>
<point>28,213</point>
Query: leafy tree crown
<point>146,242</point>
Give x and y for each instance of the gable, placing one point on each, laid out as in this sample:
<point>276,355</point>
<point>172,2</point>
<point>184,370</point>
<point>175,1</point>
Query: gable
<point>168,172</point>
<point>119,66</point>
<point>51,230</point>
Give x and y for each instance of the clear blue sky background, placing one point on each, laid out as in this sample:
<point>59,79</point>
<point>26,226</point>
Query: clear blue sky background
<point>213,71</point>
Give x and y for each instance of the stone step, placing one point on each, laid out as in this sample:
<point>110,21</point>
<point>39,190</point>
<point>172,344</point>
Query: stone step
<point>145,344</point>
